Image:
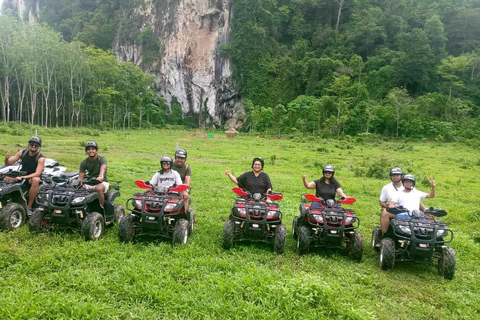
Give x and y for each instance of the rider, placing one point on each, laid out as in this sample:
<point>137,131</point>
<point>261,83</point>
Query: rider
<point>325,187</point>
<point>410,198</point>
<point>185,172</point>
<point>94,167</point>
<point>255,181</point>
<point>166,177</point>
<point>32,163</point>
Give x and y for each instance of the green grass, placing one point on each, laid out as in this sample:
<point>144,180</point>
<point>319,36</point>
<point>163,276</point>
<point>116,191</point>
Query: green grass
<point>60,276</point>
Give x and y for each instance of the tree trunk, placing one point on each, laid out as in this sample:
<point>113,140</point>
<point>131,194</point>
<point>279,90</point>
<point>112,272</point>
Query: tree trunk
<point>340,8</point>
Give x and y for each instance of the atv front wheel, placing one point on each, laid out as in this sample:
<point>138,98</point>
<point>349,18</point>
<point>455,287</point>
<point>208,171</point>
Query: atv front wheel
<point>446,263</point>
<point>355,247</point>
<point>93,226</point>
<point>12,217</point>
<point>191,223</point>
<point>387,254</point>
<point>40,221</point>
<point>180,233</point>
<point>376,238</point>
<point>303,242</point>
<point>228,234</point>
<point>119,213</point>
<point>126,229</point>
<point>294,228</point>
<point>279,241</point>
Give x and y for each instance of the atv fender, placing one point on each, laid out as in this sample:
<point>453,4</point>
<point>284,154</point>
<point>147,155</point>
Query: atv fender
<point>111,195</point>
<point>303,211</point>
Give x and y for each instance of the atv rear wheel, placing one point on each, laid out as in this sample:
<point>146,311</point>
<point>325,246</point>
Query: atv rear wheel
<point>294,228</point>
<point>40,221</point>
<point>126,229</point>
<point>447,262</point>
<point>93,226</point>
<point>228,234</point>
<point>355,247</point>
<point>279,241</point>
<point>387,254</point>
<point>376,238</point>
<point>180,233</point>
<point>12,217</point>
<point>119,213</point>
<point>303,242</point>
<point>191,222</point>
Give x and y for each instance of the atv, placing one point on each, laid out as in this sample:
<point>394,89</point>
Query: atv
<point>158,214</point>
<point>73,207</point>
<point>255,218</point>
<point>329,225</point>
<point>416,237</point>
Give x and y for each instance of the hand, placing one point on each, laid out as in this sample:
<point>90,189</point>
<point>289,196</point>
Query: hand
<point>227,172</point>
<point>304,176</point>
<point>7,155</point>
<point>100,178</point>
<point>432,182</point>
<point>19,178</point>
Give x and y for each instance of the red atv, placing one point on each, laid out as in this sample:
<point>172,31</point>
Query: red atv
<point>255,218</point>
<point>157,214</point>
<point>329,226</point>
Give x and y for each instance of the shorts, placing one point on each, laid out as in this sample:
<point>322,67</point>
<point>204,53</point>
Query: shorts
<point>88,187</point>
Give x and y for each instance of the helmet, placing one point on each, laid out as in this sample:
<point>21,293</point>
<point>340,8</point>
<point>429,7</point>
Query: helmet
<point>91,144</point>
<point>409,177</point>
<point>329,168</point>
<point>396,171</point>
<point>258,159</point>
<point>166,159</point>
<point>181,153</point>
<point>35,139</point>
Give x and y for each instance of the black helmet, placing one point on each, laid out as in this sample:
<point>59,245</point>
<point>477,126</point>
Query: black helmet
<point>258,159</point>
<point>410,177</point>
<point>329,168</point>
<point>166,159</point>
<point>396,171</point>
<point>91,144</point>
<point>35,139</point>
<point>181,153</point>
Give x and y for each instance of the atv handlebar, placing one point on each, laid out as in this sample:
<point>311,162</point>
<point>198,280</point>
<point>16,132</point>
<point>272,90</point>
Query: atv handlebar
<point>275,196</point>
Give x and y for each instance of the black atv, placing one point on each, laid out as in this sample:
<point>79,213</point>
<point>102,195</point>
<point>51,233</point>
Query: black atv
<point>329,226</point>
<point>416,237</point>
<point>13,201</point>
<point>158,214</point>
<point>73,207</point>
<point>255,218</point>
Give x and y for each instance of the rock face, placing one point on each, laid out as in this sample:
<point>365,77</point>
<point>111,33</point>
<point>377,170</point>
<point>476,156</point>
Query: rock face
<point>188,66</point>
<point>27,10</point>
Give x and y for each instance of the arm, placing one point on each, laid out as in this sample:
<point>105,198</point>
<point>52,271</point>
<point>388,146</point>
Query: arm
<point>103,168</point>
<point>188,176</point>
<point>383,204</point>
<point>38,172</point>
<point>232,178</point>
<point>81,176</point>
<point>187,180</point>
<point>9,160</point>
<point>432,189</point>
<point>308,185</point>
<point>340,193</point>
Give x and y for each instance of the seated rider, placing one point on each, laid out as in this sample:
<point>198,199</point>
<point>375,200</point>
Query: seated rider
<point>391,190</point>
<point>166,177</point>
<point>94,167</point>
<point>325,187</point>
<point>255,181</point>
<point>32,163</point>
<point>410,198</point>
<point>185,172</point>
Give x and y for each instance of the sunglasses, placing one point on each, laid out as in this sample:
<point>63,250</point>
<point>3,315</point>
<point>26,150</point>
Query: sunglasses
<point>165,163</point>
<point>88,149</point>
<point>34,145</point>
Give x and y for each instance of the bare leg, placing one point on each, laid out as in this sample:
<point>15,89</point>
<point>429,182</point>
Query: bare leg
<point>100,189</point>
<point>34,183</point>
<point>385,220</point>
<point>185,197</point>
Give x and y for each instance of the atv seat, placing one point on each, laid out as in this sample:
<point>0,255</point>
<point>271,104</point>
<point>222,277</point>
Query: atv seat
<point>71,174</point>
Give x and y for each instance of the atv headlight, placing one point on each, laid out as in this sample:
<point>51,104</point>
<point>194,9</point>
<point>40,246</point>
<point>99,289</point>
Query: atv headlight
<point>318,217</point>
<point>78,200</point>
<point>349,220</point>
<point>405,229</point>
<point>171,207</point>
<point>138,204</point>
<point>441,233</point>
<point>272,213</point>
<point>242,211</point>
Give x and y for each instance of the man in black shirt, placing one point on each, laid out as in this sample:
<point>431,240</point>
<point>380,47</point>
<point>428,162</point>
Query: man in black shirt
<point>254,181</point>
<point>94,167</point>
<point>32,163</point>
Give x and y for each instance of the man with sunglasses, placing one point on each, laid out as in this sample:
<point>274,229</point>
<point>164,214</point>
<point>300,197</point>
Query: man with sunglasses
<point>94,167</point>
<point>32,163</point>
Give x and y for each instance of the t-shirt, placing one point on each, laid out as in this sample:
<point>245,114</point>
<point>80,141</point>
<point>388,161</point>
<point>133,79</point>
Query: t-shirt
<point>410,200</point>
<point>92,167</point>
<point>184,170</point>
<point>326,191</point>
<point>390,192</point>
<point>30,163</point>
<point>253,184</point>
<point>162,181</point>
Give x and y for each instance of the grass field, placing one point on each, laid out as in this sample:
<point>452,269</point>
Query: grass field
<point>60,276</point>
